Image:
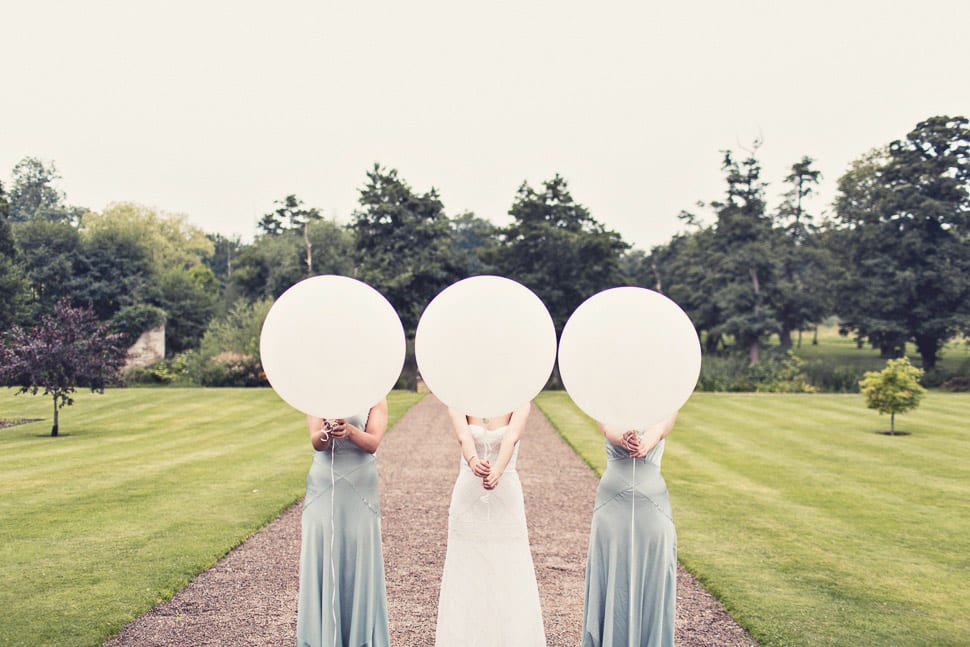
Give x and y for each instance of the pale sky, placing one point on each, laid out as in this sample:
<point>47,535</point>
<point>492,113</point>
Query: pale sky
<point>215,109</point>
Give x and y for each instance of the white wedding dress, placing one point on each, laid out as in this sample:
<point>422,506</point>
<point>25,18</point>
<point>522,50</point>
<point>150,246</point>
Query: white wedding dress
<point>489,596</point>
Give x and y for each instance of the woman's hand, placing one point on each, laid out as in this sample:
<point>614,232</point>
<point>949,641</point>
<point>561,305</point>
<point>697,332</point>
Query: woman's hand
<point>631,442</point>
<point>479,467</point>
<point>491,481</point>
<point>340,429</point>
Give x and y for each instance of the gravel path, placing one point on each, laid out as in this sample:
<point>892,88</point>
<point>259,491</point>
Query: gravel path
<point>249,597</point>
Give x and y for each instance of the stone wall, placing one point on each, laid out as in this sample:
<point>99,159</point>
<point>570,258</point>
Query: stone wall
<point>149,349</point>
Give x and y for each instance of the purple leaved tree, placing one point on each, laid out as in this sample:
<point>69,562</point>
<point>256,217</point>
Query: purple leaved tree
<point>67,349</point>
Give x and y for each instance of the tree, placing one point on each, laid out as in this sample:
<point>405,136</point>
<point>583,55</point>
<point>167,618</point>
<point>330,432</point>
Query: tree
<point>289,215</point>
<point>117,272</point>
<point>685,269</point>
<point>189,300</point>
<point>799,296</point>
<point>403,244</point>
<point>169,241</point>
<point>744,257</point>
<point>905,218</point>
<point>894,389</point>
<point>67,349</point>
<point>33,195</point>
<point>225,253</point>
<point>867,285</point>
<point>266,268</point>
<point>474,238</point>
<point>14,294</point>
<point>555,247</point>
<point>4,204</point>
<point>51,256</point>
<point>136,255</point>
<point>272,263</point>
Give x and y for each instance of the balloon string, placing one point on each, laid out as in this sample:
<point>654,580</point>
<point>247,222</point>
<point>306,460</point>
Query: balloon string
<point>633,552</point>
<point>333,569</point>
<point>488,498</point>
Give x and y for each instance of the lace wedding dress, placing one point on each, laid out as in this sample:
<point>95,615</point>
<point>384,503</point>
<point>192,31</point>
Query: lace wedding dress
<point>489,596</point>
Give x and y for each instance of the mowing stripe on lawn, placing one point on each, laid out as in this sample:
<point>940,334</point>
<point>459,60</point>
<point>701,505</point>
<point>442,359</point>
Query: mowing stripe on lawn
<point>812,528</point>
<point>145,489</point>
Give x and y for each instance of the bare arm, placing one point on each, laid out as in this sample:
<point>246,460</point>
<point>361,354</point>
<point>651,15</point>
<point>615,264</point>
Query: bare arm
<point>458,422</point>
<point>367,439</point>
<point>639,445</point>
<point>509,439</point>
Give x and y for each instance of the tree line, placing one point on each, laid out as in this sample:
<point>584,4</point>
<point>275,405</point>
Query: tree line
<point>891,259</point>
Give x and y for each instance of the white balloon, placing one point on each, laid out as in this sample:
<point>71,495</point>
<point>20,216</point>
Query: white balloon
<point>332,346</point>
<point>629,357</point>
<point>485,345</point>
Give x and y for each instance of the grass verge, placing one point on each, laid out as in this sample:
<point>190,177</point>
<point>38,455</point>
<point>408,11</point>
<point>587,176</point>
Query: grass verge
<point>811,526</point>
<point>144,489</point>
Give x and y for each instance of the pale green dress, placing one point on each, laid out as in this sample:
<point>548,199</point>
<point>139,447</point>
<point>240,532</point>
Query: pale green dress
<point>632,535</point>
<point>360,601</point>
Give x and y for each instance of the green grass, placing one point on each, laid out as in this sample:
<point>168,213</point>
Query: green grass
<point>810,526</point>
<point>841,350</point>
<point>144,489</point>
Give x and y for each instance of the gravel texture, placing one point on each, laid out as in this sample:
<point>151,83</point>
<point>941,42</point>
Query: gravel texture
<point>250,596</point>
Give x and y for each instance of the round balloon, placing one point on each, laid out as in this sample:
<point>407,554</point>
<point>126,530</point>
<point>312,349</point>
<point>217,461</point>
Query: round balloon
<point>332,346</point>
<point>485,345</point>
<point>629,357</point>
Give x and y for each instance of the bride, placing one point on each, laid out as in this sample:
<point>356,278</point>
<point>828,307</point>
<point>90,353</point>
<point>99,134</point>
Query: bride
<point>488,595</point>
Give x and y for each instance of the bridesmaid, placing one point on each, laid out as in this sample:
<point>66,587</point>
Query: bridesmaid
<point>631,568</point>
<point>342,593</point>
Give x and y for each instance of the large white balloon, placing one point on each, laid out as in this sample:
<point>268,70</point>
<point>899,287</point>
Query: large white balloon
<point>485,345</point>
<point>332,346</point>
<point>629,357</point>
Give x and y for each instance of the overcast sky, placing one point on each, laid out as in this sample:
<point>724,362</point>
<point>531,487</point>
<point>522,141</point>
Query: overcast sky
<point>215,109</point>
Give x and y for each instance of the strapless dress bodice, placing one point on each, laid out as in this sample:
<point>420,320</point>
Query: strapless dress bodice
<point>488,442</point>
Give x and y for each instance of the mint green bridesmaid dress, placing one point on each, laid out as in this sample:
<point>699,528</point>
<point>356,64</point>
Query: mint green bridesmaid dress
<point>359,602</point>
<point>631,568</point>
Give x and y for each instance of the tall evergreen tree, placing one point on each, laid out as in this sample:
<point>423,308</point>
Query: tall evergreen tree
<point>685,269</point>
<point>33,195</point>
<point>744,258</point>
<point>555,247</point>
<point>403,244</point>
<point>799,295</point>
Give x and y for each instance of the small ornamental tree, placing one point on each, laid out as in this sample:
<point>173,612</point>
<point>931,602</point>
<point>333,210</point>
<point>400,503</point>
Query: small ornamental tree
<point>894,389</point>
<point>65,350</point>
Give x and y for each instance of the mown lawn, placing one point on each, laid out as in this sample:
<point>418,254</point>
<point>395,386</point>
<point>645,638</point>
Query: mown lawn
<point>144,489</point>
<point>842,351</point>
<point>812,527</point>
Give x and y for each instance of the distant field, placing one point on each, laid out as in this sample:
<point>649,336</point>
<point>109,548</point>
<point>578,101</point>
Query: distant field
<point>843,350</point>
<point>145,489</point>
<point>810,526</point>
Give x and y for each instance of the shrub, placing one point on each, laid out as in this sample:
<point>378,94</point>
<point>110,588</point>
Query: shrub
<point>180,369</point>
<point>783,375</point>
<point>232,369</point>
<point>776,373</point>
<point>959,383</point>
<point>238,331</point>
<point>833,378</point>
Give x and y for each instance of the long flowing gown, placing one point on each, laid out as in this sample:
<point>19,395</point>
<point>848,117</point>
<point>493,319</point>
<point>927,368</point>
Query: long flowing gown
<point>618,612</point>
<point>343,480</point>
<point>489,596</point>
